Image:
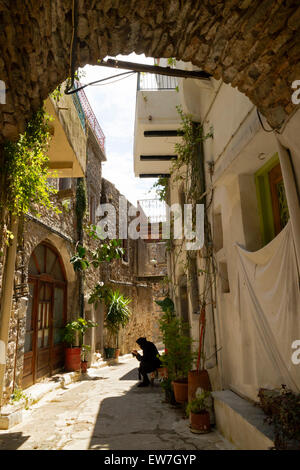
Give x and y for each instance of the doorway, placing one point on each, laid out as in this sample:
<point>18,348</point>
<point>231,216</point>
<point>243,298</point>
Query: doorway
<point>46,314</point>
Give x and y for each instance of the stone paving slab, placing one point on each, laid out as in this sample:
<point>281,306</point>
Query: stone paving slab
<point>106,411</point>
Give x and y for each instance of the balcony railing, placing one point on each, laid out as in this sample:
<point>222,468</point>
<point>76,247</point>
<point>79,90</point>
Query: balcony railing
<point>85,111</point>
<point>154,209</point>
<point>151,81</point>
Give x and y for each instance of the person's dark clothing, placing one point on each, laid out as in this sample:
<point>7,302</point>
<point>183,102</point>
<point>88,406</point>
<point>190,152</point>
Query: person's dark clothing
<point>149,360</point>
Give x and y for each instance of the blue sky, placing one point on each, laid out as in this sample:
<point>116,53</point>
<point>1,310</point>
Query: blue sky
<point>114,107</point>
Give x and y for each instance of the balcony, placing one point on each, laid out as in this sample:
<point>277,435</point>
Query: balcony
<point>67,151</point>
<point>72,117</point>
<point>156,125</point>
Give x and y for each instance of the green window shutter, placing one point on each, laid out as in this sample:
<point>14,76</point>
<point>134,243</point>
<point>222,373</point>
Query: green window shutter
<point>264,200</point>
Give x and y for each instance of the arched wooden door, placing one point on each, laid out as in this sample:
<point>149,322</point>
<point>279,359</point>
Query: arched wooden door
<point>46,314</point>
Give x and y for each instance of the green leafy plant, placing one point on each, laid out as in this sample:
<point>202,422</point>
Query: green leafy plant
<point>27,169</point>
<point>161,188</point>
<point>117,311</point>
<point>166,385</point>
<point>167,305</point>
<point>283,413</point>
<point>74,331</point>
<point>81,205</point>
<point>172,61</point>
<point>80,261</point>
<point>66,204</point>
<point>19,395</point>
<point>106,251</point>
<point>118,314</point>
<point>179,357</point>
<point>197,405</point>
<point>84,257</point>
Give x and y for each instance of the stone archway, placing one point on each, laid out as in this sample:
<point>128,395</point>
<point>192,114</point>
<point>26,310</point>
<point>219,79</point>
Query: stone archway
<point>254,45</point>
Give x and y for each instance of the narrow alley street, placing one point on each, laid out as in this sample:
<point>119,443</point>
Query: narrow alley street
<point>106,411</point>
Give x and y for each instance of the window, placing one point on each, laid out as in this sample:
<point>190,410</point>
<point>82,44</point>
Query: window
<point>223,275</point>
<point>272,203</point>
<point>217,231</point>
<point>64,183</point>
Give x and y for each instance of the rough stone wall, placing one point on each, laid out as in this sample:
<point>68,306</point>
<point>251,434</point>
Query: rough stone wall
<point>252,44</point>
<point>145,315</point>
<point>60,230</point>
<point>123,276</point>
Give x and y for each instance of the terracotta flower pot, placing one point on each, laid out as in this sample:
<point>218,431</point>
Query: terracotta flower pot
<point>117,353</point>
<point>72,359</point>
<point>200,422</point>
<point>180,388</point>
<point>84,366</point>
<point>197,379</point>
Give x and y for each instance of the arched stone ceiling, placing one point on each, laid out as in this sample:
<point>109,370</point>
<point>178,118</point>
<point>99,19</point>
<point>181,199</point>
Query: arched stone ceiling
<point>254,45</point>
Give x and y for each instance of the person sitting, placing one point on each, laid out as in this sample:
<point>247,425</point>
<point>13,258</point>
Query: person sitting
<point>149,361</point>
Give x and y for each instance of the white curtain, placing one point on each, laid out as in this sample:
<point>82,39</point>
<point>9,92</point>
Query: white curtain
<point>268,302</point>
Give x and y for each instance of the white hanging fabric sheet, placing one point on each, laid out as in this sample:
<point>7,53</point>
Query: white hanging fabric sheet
<point>268,302</point>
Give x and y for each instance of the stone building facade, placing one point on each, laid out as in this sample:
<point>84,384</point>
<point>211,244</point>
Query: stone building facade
<point>48,292</point>
<point>125,275</point>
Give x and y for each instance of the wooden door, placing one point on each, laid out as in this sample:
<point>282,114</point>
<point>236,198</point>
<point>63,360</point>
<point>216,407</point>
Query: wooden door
<point>46,315</point>
<point>43,322</point>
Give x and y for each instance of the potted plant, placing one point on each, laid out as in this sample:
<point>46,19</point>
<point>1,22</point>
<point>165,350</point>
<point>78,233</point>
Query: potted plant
<point>73,336</point>
<point>85,349</point>
<point>117,316</point>
<point>199,377</point>
<point>179,357</point>
<point>198,414</point>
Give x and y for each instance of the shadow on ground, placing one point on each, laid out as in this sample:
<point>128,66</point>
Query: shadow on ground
<point>131,375</point>
<point>12,440</point>
<point>136,420</point>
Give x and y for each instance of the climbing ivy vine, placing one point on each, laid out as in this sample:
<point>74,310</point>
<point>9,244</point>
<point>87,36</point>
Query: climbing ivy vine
<point>27,170</point>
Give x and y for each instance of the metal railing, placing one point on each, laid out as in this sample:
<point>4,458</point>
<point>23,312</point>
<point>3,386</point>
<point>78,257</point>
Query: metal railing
<point>85,112</point>
<point>151,81</point>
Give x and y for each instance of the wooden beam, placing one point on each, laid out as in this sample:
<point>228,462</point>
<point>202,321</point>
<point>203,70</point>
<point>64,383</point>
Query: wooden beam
<point>120,64</point>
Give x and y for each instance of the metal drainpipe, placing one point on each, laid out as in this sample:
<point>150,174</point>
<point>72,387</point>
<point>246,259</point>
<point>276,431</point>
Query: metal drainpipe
<point>6,299</point>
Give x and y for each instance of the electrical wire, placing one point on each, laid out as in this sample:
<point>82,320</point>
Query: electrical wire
<point>73,46</point>
<point>114,81</point>
<point>261,123</point>
<point>70,92</point>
